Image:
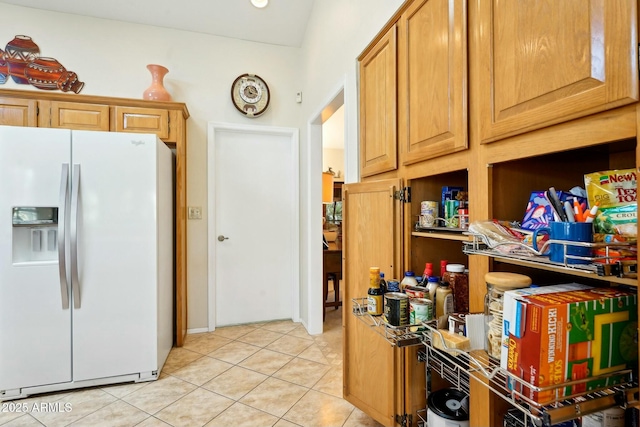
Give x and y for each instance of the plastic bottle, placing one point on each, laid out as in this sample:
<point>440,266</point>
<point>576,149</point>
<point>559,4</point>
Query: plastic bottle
<point>458,281</point>
<point>444,304</point>
<point>443,267</point>
<point>428,272</point>
<point>408,280</point>
<point>432,286</point>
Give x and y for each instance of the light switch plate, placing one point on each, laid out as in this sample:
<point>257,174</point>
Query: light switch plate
<point>195,212</point>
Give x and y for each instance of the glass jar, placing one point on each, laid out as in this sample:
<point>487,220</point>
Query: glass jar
<point>458,281</point>
<point>497,284</point>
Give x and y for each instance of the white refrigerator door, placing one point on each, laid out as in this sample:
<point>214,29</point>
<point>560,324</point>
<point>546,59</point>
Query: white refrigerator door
<point>115,310</point>
<point>35,327</point>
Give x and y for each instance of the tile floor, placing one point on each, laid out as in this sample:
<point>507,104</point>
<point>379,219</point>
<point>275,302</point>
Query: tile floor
<point>268,374</point>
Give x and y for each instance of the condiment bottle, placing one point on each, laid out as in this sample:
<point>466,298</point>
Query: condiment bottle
<point>428,272</point>
<point>408,280</point>
<point>459,283</point>
<point>444,304</point>
<point>375,294</point>
<point>432,287</point>
<point>383,283</point>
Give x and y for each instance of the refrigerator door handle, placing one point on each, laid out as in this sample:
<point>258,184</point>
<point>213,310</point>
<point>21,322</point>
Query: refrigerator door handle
<point>62,263</point>
<point>73,233</point>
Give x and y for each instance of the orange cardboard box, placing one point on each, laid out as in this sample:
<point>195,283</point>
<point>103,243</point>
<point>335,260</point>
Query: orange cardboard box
<point>570,336</point>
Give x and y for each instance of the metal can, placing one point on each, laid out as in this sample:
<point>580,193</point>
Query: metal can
<point>429,206</point>
<point>463,216</point>
<point>420,310</point>
<point>396,308</point>
<point>451,213</point>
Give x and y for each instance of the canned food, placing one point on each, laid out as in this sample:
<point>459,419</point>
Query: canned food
<point>420,310</point>
<point>451,213</point>
<point>396,308</point>
<point>429,206</point>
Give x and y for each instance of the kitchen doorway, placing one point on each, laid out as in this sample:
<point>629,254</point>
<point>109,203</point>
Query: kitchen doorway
<point>328,133</point>
<point>253,179</point>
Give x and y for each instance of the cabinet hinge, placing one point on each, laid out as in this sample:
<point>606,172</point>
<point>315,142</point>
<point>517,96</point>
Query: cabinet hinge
<point>404,420</point>
<point>403,195</point>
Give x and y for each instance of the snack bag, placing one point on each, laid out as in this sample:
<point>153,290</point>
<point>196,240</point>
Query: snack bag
<point>615,192</point>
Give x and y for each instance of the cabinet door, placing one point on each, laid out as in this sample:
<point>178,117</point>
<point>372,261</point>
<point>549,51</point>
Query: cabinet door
<point>18,112</point>
<point>433,79</point>
<point>378,111</point>
<point>143,120</point>
<point>546,62</point>
<point>372,367</point>
<point>72,115</point>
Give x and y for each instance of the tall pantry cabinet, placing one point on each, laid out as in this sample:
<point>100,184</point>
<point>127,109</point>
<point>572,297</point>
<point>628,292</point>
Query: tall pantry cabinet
<point>502,98</point>
<point>80,112</point>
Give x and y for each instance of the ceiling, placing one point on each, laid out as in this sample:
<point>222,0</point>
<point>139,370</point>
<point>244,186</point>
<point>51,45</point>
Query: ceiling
<point>282,22</point>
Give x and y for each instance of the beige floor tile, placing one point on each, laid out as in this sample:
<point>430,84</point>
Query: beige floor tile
<point>266,361</point>
<point>360,419</point>
<point>300,332</point>
<point>12,413</point>
<point>317,409</point>
<point>117,414</point>
<point>74,406</point>
<point>235,332</point>
<point>281,326</point>
<point>22,420</point>
<point>234,352</point>
<point>179,357</point>
<point>235,383</point>
<point>202,370</point>
<point>260,337</point>
<point>159,394</point>
<point>239,415</point>
<point>302,372</point>
<point>284,423</point>
<point>153,422</point>
<point>314,353</point>
<point>206,343</point>
<point>121,390</point>
<point>274,396</point>
<point>195,409</point>
<point>290,345</point>
<point>331,382</point>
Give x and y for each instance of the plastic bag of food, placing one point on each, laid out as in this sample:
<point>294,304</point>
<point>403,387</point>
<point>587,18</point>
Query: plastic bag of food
<point>615,193</point>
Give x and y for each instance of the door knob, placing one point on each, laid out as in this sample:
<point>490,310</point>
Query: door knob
<point>221,238</point>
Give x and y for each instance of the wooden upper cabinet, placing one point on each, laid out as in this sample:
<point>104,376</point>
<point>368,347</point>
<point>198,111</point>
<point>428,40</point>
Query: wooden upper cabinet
<point>72,115</point>
<point>432,79</point>
<point>546,62</point>
<point>18,112</point>
<point>142,120</point>
<point>378,106</point>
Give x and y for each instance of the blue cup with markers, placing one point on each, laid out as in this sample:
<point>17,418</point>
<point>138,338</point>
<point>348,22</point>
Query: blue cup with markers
<point>567,232</point>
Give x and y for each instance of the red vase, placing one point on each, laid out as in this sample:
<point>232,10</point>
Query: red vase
<point>44,73</point>
<point>157,91</point>
<point>18,53</point>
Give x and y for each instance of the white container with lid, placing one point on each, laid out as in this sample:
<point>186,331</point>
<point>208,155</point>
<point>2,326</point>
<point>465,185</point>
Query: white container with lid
<point>408,280</point>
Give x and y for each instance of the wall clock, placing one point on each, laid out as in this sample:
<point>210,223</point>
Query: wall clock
<point>250,94</point>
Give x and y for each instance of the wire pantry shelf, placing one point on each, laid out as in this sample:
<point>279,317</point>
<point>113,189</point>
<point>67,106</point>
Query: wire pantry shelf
<point>605,265</point>
<point>556,408</point>
<point>400,336</point>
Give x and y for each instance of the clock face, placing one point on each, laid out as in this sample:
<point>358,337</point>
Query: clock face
<point>250,95</point>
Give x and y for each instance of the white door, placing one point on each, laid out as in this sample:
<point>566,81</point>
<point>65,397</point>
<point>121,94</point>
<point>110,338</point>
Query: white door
<point>253,228</point>
<point>114,316</point>
<point>35,318</point>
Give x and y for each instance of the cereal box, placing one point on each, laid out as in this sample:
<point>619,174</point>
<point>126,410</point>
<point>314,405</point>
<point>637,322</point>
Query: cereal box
<point>573,335</point>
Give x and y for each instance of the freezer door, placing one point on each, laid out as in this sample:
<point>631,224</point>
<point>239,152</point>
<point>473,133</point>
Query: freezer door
<point>115,273</point>
<point>35,318</point>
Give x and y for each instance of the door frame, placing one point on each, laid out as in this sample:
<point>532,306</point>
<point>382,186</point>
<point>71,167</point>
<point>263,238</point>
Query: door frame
<point>293,134</point>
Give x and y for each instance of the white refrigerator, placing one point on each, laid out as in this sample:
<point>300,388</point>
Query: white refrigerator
<point>86,258</point>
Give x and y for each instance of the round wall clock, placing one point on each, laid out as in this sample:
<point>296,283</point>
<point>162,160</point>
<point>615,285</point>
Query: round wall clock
<point>250,95</point>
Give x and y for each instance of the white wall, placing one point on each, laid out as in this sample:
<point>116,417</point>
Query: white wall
<point>111,58</point>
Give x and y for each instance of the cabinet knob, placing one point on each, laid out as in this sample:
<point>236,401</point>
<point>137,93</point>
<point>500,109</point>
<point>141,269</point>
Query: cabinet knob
<point>221,238</point>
